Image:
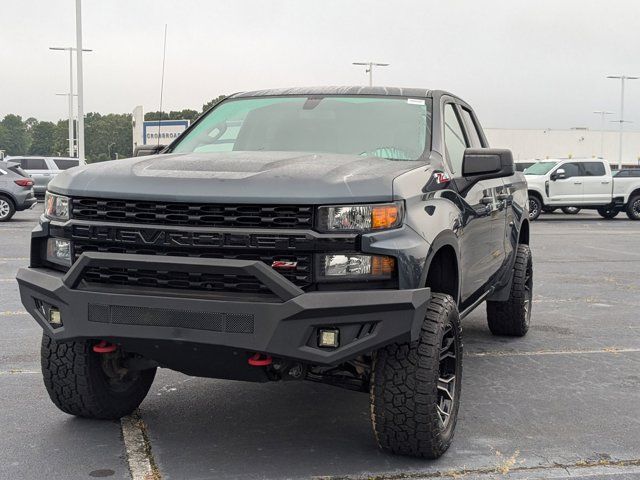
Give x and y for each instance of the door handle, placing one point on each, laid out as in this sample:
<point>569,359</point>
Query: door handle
<point>605,183</point>
<point>577,183</point>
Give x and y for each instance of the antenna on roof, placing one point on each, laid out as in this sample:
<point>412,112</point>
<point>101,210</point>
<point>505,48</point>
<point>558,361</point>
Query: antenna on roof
<point>164,56</point>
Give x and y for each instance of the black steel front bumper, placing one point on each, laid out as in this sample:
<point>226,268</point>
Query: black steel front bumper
<point>283,326</point>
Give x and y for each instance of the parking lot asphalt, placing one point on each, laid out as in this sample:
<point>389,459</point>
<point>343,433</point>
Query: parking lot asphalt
<point>562,402</point>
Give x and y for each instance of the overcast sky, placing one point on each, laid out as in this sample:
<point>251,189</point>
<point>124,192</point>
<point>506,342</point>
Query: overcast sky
<point>521,64</point>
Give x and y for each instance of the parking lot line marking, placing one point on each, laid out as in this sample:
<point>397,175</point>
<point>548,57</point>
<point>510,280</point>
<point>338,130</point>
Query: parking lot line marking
<point>13,313</point>
<point>142,466</point>
<point>7,280</point>
<point>609,350</point>
<point>10,259</point>
<point>17,371</point>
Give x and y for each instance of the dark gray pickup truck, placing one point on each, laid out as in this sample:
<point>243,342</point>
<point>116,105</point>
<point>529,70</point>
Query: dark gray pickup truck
<point>334,235</point>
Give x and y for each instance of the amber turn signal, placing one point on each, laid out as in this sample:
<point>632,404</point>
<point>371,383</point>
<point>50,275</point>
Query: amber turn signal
<point>384,216</point>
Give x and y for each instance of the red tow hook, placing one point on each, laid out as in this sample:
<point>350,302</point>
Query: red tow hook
<point>104,347</point>
<point>258,360</point>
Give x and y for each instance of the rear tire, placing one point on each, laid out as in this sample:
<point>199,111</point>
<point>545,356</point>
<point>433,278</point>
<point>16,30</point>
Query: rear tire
<point>7,208</point>
<point>512,317</point>
<point>535,207</point>
<point>571,210</point>
<point>415,387</point>
<point>78,384</point>
<point>608,212</point>
<point>633,208</point>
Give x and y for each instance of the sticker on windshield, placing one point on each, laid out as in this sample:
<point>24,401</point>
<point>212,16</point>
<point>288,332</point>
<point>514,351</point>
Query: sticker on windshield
<point>415,101</point>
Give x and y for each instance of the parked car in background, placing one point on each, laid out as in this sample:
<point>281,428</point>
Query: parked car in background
<point>16,190</point>
<point>43,169</point>
<point>582,183</point>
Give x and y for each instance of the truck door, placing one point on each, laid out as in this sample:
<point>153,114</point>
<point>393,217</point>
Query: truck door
<point>481,244</point>
<point>597,183</point>
<point>567,190</point>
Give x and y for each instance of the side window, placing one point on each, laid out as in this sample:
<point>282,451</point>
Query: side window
<point>571,170</point>
<point>594,169</point>
<point>454,140</point>
<point>472,128</point>
<point>33,164</point>
<point>65,164</point>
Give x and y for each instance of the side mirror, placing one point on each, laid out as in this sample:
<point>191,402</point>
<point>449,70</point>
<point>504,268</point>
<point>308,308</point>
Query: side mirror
<point>484,163</point>
<point>559,174</point>
<point>144,150</point>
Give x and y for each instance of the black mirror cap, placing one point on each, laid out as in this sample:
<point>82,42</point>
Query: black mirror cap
<point>487,163</point>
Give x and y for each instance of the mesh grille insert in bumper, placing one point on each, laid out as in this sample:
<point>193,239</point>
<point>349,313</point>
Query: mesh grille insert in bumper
<point>163,317</point>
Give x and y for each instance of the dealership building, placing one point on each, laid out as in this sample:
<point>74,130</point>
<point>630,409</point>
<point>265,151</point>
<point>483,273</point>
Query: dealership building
<point>575,143</point>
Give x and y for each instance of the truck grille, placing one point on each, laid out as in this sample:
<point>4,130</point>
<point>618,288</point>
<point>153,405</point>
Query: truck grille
<point>192,214</point>
<point>167,279</point>
<point>301,275</point>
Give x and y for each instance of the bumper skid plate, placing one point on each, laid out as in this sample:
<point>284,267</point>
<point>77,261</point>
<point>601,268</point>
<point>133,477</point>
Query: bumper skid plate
<point>285,325</point>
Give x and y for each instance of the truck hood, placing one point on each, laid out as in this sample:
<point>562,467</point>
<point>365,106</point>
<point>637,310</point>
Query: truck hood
<point>241,177</point>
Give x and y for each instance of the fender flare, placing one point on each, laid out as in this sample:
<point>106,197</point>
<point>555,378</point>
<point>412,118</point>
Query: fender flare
<point>443,239</point>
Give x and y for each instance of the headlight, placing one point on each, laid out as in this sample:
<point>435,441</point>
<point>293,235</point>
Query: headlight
<point>360,218</point>
<point>355,267</point>
<point>59,251</point>
<point>56,206</point>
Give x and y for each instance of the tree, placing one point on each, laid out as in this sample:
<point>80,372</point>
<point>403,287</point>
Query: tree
<point>211,103</point>
<point>43,136</point>
<point>107,135</point>
<point>14,139</point>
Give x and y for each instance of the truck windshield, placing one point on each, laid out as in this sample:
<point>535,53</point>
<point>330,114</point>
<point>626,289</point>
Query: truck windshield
<point>395,128</point>
<point>540,168</point>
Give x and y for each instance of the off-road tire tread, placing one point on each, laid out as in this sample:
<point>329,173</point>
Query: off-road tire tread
<point>508,318</point>
<point>403,392</point>
<point>68,369</point>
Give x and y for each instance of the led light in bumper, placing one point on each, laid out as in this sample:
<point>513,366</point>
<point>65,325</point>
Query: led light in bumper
<point>59,251</point>
<point>360,218</point>
<point>56,206</point>
<point>329,337</point>
<point>54,317</point>
<point>362,267</point>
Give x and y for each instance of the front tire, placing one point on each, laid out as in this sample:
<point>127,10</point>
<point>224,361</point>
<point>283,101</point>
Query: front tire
<point>78,383</point>
<point>415,387</point>
<point>513,316</point>
<point>608,212</point>
<point>7,209</point>
<point>535,207</point>
<point>633,208</point>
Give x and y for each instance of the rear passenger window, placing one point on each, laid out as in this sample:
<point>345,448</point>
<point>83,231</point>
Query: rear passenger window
<point>33,164</point>
<point>454,140</point>
<point>64,164</point>
<point>594,169</point>
<point>472,129</point>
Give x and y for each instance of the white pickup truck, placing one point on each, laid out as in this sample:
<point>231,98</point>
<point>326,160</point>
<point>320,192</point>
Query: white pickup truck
<point>582,183</point>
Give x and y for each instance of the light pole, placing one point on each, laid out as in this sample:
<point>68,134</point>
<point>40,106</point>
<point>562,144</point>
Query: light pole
<point>369,69</point>
<point>621,121</point>
<point>602,114</point>
<point>70,94</point>
<point>80,83</point>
